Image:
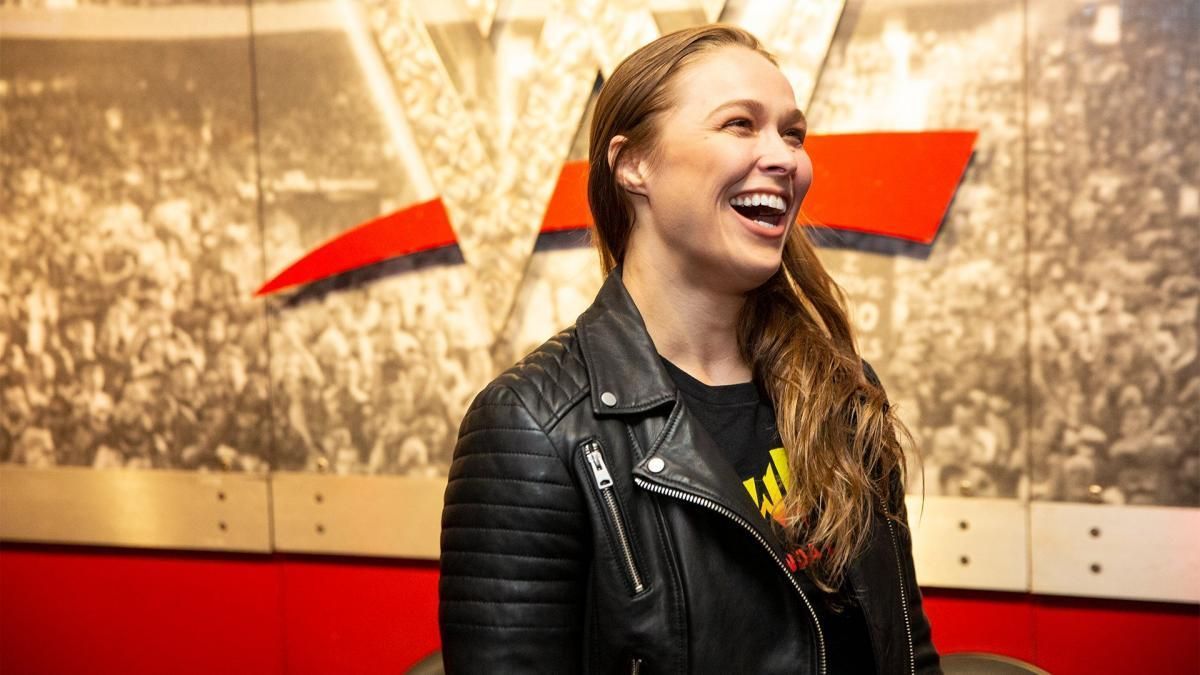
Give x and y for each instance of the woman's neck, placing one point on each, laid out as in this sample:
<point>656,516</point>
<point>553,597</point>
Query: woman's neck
<point>693,327</point>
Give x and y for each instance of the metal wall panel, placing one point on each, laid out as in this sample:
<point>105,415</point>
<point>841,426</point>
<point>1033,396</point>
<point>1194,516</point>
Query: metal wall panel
<point>1135,552</point>
<point>150,509</point>
<point>377,515</point>
<point>961,542</point>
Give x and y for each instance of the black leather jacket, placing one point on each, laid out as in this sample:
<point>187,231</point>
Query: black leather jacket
<point>592,525</point>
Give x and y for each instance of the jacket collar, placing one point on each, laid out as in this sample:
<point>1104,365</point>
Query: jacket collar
<point>626,376</point>
<point>624,370</point>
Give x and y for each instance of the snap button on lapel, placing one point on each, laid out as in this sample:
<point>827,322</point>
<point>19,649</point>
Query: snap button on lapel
<point>656,464</point>
<point>608,398</point>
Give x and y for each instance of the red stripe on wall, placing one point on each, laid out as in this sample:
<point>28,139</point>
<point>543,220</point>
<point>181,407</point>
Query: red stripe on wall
<point>66,610</point>
<point>348,615</point>
<point>422,227</point>
<point>568,207</point>
<point>890,184</point>
<point>81,610</point>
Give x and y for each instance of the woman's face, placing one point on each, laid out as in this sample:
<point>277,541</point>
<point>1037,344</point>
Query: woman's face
<point>733,136</point>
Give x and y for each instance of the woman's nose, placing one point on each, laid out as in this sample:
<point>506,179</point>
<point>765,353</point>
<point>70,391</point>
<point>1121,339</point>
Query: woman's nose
<point>778,155</point>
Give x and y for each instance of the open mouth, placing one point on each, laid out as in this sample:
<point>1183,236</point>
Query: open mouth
<point>767,210</point>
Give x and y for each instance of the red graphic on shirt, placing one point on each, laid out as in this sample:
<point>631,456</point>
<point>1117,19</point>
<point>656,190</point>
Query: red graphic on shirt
<point>802,557</point>
<point>767,492</point>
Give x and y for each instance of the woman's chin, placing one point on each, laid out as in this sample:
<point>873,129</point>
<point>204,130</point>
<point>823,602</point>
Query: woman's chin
<point>754,272</point>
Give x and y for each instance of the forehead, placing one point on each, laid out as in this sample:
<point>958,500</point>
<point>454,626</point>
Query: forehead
<point>730,74</point>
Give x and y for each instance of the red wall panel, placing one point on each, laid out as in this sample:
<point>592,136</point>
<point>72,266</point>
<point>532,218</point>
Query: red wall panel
<point>979,621</point>
<point>78,610</point>
<point>74,609</point>
<point>346,615</point>
<point>1075,635</point>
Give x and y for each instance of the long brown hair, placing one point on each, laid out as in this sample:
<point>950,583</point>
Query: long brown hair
<point>836,425</point>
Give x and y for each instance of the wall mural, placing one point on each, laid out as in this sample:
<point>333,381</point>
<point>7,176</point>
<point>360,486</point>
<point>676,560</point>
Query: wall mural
<point>164,161</point>
<point>130,246</point>
<point>942,320</point>
<point>1114,227</point>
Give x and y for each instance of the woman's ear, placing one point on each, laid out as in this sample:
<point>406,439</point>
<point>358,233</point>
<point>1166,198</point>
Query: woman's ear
<point>628,169</point>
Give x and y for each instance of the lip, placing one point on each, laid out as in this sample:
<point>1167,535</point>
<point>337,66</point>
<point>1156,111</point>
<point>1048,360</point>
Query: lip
<point>765,190</point>
<point>760,230</point>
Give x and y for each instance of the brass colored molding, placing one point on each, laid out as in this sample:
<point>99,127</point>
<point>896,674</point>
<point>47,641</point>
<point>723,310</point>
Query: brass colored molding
<point>970,542</point>
<point>145,509</point>
<point>1104,551</point>
<point>389,516</point>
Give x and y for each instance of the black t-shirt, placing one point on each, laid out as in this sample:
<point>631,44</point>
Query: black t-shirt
<point>741,420</point>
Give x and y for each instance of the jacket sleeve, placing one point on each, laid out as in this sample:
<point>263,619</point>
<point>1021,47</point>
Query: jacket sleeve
<point>513,547</point>
<point>925,656</point>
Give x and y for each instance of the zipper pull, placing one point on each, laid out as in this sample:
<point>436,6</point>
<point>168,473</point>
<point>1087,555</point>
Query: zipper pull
<point>595,460</point>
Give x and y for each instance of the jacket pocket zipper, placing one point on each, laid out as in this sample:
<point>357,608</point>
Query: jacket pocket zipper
<point>604,485</point>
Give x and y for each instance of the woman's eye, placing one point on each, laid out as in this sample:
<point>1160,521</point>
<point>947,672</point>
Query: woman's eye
<point>795,135</point>
<point>741,123</point>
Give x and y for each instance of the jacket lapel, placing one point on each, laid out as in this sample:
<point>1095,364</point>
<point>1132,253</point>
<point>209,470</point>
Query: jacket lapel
<point>627,378</point>
<point>624,371</point>
<point>692,462</point>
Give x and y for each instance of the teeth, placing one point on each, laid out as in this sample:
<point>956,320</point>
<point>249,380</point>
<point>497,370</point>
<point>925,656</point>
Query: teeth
<point>760,199</point>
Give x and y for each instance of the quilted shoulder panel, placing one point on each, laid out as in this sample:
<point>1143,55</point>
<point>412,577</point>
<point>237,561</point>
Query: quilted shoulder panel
<point>550,379</point>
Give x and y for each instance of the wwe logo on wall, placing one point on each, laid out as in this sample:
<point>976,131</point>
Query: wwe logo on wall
<point>482,110</point>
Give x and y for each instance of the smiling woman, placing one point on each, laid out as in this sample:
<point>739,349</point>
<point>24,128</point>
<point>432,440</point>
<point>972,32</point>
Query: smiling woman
<point>700,475</point>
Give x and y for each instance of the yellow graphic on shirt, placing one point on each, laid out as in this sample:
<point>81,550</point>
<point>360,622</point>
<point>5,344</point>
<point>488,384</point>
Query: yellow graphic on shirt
<point>768,491</point>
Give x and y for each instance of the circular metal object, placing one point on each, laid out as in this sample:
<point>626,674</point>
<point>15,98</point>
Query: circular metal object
<point>656,464</point>
<point>608,398</point>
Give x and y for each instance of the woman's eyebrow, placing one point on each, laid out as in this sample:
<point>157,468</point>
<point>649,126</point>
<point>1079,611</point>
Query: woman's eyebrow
<point>756,107</point>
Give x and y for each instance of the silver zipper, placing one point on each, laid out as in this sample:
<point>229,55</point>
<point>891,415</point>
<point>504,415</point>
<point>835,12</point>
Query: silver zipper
<point>912,661</point>
<point>604,483</point>
<point>635,667</point>
<point>709,504</point>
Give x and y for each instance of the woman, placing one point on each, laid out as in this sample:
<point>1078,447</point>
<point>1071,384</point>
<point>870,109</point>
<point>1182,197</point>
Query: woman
<point>701,475</point>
